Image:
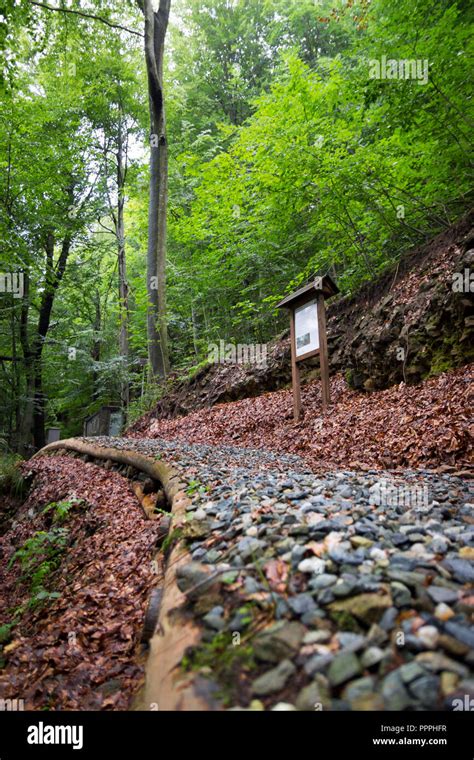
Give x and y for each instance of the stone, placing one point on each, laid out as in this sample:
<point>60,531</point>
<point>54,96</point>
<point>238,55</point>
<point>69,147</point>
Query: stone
<point>441,594</point>
<point>346,492</point>
<point>281,641</point>
<point>361,542</point>
<point>388,619</point>
<point>449,682</point>
<point>376,635</point>
<point>410,672</point>
<point>401,594</point>
<point>426,690</point>
<point>439,545</point>
<point>350,642</point>
<point>342,588</point>
<point>461,569</point>
<point>323,581</point>
<point>394,692</point>
<point>316,637</point>
<point>308,697</point>
<point>343,667</point>
<point>251,586</point>
<point>317,663</point>
<point>356,688</point>
<point>250,547</point>
<point>196,579</point>
<point>214,619</point>
<point>467,552</point>
<point>452,645</point>
<point>428,635</point>
<point>406,577</point>
<point>283,707</point>
<point>372,656</point>
<point>443,612</point>
<point>273,680</point>
<point>302,603</point>
<point>312,565</point>
<point>368,608</point>
<point>460,632</point>
<point>378,555</point>
<point>437,662</point>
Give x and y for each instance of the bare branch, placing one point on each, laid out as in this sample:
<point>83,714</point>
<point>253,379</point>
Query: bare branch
<point>86,15</point>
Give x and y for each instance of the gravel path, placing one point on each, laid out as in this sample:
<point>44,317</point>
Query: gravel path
<point>352,590</point>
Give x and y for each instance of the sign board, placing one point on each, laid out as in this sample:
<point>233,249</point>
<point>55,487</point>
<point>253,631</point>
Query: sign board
<point>308,333</point>
<point>306,328</point>
<point>107,421</point>
<point>53,435</point>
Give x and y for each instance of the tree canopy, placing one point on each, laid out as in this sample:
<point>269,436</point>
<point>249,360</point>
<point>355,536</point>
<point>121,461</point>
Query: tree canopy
<point>303,137</point>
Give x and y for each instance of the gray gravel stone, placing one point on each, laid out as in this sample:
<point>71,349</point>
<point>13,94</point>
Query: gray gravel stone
<point>273,680</point>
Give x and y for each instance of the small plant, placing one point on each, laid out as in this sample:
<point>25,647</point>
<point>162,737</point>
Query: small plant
<point>224,660</point>
<point>195,486</point>
<point>12,481</point>
<point>171,538</point>
<point>5,632</point>
<point>39,557</point>
<point>62,508</point>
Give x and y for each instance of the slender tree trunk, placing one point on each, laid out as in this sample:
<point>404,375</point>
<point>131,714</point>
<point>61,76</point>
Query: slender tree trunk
<point>33,422</point>
<point>156,23</point>
<point>122,268</point>
<point>96,346</point>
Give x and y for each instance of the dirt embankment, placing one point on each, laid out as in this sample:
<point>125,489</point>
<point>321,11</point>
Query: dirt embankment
<point>408,325</point>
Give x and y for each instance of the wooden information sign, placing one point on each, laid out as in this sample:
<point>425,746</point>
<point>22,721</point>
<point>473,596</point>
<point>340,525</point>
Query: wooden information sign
<point>308,333</point>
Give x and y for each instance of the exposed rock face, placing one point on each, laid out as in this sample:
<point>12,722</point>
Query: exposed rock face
<point>412,324</point>
<point>405,326</point>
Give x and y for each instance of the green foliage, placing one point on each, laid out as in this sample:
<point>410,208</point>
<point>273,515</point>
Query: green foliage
<point>195,486</point>
<point>287,159</point>
<point>11,480</point>
<point>145,402</point>
<point>171,539</point>
<point>5,632</point>
<point>61,509</point>
<point>222,659</point>
<point>39,557</point>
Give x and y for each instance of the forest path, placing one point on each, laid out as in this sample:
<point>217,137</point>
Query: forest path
<point>348,589</point>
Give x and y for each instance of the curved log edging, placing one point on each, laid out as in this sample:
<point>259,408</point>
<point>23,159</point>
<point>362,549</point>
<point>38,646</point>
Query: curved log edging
<point>166,686</point>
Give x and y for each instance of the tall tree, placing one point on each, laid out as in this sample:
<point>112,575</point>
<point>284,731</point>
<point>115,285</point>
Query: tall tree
<point>156,24</point>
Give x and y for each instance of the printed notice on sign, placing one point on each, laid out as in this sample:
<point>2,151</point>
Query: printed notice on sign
<point>306,328</point>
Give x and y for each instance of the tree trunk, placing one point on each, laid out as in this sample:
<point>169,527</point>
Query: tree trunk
<point>156,23</point>
<point>122,269</point>
<point>96,346</point>
<point>33,423</point>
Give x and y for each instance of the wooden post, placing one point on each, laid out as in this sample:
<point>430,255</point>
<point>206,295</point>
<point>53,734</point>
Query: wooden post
<point>295,371</point>
<point>323,353</point>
